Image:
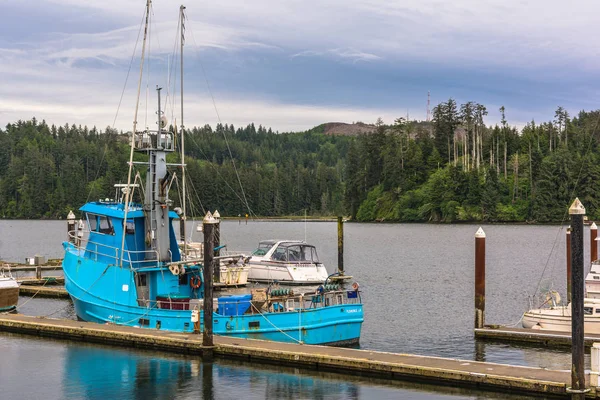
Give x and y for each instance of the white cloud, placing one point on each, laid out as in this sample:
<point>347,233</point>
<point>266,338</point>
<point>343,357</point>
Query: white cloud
<point>77,77</point>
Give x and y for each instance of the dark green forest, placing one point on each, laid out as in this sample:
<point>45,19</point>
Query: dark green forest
<point>454,168</point>
<point>45,171</point>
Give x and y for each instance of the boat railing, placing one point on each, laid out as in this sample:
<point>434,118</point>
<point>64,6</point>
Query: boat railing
<point>136,259</point>
<point>306,301</point>
<point>154,140</point>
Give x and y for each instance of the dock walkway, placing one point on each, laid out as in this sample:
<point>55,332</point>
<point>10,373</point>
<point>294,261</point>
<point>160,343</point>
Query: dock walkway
<point>361,362</point>
<point>43,291</point>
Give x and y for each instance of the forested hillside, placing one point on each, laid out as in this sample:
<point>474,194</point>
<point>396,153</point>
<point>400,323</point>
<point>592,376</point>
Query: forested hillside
<point>46,170</point>
<point>458,169</point>
<point>454,168</point>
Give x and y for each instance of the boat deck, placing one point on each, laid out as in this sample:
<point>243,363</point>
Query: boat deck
<point>361,362</point>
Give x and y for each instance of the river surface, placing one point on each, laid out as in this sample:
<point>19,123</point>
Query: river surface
<point>417,282</point>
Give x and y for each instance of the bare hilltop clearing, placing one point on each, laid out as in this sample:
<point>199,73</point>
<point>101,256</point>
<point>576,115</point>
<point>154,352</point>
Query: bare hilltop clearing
<point>344,129</point>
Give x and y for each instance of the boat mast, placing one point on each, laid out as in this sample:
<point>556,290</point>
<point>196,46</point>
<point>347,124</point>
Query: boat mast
<point>183,215</point>
<point>127,192</point>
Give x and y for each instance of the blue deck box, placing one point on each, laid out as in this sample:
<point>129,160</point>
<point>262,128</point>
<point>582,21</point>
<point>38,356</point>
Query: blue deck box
<point>234,305</point>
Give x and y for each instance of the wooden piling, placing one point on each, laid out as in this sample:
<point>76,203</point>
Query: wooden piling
<point>479,278</point>
<point>593,243</point>
<point>577,212</point>
<point>217,244</point>
<point>209,244</point>
<point>340,228</point>
<point>569,286</point>
<point>71,227</point>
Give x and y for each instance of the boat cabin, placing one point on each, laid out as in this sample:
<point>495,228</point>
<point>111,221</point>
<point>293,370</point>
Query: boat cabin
<point>105,225</point>
<point>287,251</point>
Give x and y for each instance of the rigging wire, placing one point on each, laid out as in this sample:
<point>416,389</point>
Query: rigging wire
<point>566,213</point>
<point>120,101</point>
<point>245,200</point>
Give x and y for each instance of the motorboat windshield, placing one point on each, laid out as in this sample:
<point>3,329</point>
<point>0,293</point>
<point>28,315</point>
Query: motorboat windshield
<point>295,252</point>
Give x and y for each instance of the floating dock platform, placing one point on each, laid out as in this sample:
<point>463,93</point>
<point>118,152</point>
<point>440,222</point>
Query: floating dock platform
<point>532,336</point>
<point>43,291</point>
<point>434,370</point>
<point>45,280</point>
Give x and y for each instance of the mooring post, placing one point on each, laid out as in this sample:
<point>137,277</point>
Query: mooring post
<point>593,244</point>
<point>577,389</point>
<point>71,227</point>
<point>479,278</point>
<point>217,244</point>
<point>568,235</point>
<point>340,227</point>
<point>209,244</point>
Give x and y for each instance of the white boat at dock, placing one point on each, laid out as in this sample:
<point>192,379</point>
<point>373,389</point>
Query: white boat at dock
<point>9,291</point>
<point>554,316</point>
<point>287,262</point>
<point>558,318</point>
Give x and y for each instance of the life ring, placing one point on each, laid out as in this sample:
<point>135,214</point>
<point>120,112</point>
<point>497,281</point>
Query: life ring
<point>195,282</point>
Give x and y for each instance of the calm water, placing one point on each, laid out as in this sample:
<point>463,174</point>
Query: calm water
<point>417,283</point>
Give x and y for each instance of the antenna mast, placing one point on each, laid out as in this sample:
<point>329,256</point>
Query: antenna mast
<point>428,106</point>
<point>183,215</point>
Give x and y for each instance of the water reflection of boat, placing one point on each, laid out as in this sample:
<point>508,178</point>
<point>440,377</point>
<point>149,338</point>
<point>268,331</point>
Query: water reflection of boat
<point>286,262</point>
<point>129,269</point>
<point>9,290</point>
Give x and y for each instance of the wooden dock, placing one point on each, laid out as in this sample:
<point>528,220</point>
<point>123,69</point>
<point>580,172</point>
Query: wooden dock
<point>43,291</point>
<point>361,362</point>
<point>45,280</point>
<point>532,336</point>
<point>24,267</point>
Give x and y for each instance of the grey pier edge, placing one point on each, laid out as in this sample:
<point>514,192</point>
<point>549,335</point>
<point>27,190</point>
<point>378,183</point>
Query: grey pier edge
<point>434,370</point>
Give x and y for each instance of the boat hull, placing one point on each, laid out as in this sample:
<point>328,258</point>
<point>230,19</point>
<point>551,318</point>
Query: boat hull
<point>309,274</point>
<point>558,319</point>
<point>9,294</point>
<point>334,325</point>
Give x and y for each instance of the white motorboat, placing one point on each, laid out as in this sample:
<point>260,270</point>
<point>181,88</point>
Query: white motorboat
<point>558,318</point>
<point>287,262</point>
<point>9,291</point>
<point>592,281</point>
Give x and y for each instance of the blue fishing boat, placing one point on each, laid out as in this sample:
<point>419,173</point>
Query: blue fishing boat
<point>128,268</point>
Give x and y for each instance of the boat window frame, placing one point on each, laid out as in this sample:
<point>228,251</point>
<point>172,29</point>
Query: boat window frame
<point>588,310</point>
<point>110,230</point>
<point>263,248</point>
<point>280,255</point>
<point>130,227</point>
<point>294,255</point>
<point>89,218</point>
<point>315,255</point>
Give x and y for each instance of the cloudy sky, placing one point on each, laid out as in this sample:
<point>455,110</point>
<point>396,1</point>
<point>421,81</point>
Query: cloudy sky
<point>294,64</point>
